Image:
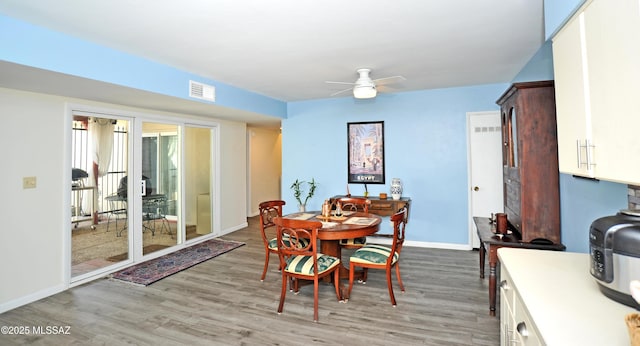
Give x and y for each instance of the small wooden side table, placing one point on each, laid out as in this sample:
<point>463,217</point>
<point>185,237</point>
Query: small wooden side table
<point>490,242</point>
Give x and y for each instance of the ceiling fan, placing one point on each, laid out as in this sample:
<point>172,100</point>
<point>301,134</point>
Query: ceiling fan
<point>365,87</point>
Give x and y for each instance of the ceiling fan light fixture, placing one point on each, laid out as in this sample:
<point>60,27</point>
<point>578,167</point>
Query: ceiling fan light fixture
<point>364,91</point>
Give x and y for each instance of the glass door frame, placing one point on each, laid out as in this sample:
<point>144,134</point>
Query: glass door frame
<point>137,216</point>
<point>73,110</point>
<point>134,207</point>
<point>214,185</point>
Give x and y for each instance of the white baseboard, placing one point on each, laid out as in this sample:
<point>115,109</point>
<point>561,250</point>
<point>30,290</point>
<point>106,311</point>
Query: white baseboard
<point>234,228</point>
<point>24,300</point>
<point>423,244</point>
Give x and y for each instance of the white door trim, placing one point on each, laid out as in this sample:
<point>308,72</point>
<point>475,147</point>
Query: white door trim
<point>472,240</point>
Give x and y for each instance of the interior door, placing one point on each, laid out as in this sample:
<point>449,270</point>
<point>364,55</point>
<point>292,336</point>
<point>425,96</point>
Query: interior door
<point>485,168</point>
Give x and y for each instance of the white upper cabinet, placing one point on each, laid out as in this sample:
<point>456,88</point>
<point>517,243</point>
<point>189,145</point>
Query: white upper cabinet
<point>572,109</point>
<point>597,68</point>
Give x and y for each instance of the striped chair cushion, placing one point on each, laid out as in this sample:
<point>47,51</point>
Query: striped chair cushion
<point>372,253</point>
<point>273,243</point>
<point>304,264</point>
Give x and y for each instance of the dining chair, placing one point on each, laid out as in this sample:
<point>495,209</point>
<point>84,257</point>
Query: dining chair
<point>354,204</point>
<point>268,211</point>
<point>300,259</point>
<point>376,256</point>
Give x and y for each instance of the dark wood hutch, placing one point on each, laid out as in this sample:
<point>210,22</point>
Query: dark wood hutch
<point>531,177</point>
<point>530,161</point>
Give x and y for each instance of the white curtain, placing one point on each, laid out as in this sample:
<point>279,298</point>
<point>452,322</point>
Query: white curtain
<point>101,132</point>
<point>101,144</point>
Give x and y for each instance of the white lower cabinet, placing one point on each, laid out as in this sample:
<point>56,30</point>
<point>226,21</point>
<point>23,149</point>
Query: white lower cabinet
<point>525,332</point>
<point>507,317</point>
<point>550,298</point>
<point>516,326</point>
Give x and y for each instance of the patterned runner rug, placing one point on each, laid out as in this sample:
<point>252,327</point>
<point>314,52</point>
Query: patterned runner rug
<point>153,270</point>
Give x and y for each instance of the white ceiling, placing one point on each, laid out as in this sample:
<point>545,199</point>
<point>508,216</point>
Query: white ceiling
<point>287,49</point>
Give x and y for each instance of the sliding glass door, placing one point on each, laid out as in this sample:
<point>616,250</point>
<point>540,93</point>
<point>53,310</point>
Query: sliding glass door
<point>198,181</point>
<point>139,187</point>
<point>160,186</point>
<point>99,204</point>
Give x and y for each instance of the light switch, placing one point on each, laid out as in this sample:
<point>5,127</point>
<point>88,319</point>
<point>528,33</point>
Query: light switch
<point>28,182</point>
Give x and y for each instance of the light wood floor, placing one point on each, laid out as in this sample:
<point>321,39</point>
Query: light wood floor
<point>223,302</point>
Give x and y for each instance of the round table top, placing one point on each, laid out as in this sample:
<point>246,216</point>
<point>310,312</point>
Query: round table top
<point>344,229</point>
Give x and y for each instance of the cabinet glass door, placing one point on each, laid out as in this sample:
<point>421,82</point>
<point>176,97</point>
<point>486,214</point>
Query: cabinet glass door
<point>513,138</point>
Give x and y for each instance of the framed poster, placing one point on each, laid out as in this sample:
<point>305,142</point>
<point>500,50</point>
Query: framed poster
<point>365,147</point>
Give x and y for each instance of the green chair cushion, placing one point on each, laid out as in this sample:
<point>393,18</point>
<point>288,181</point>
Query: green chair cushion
<point>373,253</point>
<point>273,243</point>
<point>304,264</point>
<point>354,241</point>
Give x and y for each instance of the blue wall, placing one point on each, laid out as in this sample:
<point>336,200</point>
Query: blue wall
<point>425,146</point>
<point>581,202</point>
<point>31,45</point>
<point>539,67</point>
<point>556,13</point>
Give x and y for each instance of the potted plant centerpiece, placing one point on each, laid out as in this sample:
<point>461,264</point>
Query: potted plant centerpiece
<point>298,190</point>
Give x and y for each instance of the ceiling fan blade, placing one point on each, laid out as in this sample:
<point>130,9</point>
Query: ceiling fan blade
<point>388,80</point>
<point>341,91</point>
<point>332,82</point>
<point>387,89</point>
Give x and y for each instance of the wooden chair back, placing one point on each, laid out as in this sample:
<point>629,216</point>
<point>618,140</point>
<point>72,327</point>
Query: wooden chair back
<point>354,204</point>
<point>269,210</point>
<point>399,221</point>
<point>297,237</point>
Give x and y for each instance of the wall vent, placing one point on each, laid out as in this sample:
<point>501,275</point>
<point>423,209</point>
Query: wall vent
<point>202,91</point>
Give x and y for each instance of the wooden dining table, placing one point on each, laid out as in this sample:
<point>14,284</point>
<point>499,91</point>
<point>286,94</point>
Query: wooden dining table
<point>351,225</point>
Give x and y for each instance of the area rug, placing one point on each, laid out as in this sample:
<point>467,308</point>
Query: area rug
<point>151,271</point>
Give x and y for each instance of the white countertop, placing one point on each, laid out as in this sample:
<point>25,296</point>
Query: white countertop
<point>563,298</point>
